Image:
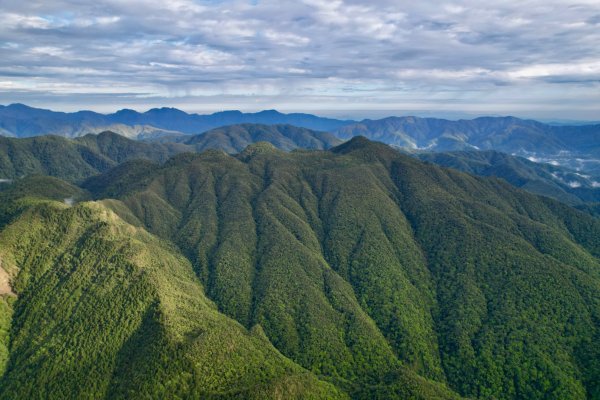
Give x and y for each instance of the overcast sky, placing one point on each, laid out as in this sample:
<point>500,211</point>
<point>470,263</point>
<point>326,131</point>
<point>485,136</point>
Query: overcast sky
<point>354,58</point>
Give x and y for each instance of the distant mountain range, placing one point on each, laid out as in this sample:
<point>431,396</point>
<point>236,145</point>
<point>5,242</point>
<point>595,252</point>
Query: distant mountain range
<point>576,147</point>
<point>506,134</point>
<point>19,120</point>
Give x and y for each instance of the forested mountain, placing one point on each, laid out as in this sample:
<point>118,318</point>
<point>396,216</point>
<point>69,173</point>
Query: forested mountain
<point>576,147</point>
<point>83,157</point>
<point>355,272</point>
<point>568,186</point>
<point>235,138</point>
<point>19,120</point>
<point>75,160</point>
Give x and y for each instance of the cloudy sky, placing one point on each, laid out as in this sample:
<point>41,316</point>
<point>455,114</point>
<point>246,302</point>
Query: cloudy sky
<point>334,57</point>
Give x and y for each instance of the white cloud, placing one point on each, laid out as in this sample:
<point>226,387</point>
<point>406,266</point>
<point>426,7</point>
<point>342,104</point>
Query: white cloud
<point>530,56</point>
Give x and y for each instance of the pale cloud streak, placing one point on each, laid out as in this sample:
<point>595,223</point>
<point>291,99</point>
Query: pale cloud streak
<point>533,57</point>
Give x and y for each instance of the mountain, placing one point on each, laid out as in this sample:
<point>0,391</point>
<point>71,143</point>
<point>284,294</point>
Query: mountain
<point>76,160</point>
<point>18,120</point>
<point>235,138</point>
<point>575,147</point>
<point>172,118</point>
<point>357,272</point>
<point>110,311</point>
<point>565,185</point>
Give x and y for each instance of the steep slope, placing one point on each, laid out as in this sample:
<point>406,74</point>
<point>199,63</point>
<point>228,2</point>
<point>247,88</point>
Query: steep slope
<point>235,138</point>
<point>565,185</point>
<point>390,277</point>
<point>106,310</point>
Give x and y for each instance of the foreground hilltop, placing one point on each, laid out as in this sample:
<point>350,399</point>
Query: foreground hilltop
<point>355,272</point>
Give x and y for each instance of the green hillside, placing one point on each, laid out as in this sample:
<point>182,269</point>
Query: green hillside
<point>75,160</point>
<point>106,310</point>
<point>357,272</point>
<point>235,138</point>
<point>560,183</point>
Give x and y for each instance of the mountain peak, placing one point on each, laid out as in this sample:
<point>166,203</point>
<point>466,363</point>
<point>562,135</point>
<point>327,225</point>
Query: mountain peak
<point>166,110</point>
<point>20,106</point>
<point>366,149</point>
<point>126,111</point>
<point>269,112</point>
<point>356,143</point>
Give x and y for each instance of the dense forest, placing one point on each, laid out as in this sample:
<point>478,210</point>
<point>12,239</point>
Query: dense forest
<point>356,272</point>
<point>74,160</point>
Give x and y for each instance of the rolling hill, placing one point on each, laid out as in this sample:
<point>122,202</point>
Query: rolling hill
<point>573,146</point>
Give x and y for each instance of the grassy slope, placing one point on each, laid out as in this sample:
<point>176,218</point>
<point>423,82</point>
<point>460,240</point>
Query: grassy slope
<point>106,310</point>
<point>369,267</point>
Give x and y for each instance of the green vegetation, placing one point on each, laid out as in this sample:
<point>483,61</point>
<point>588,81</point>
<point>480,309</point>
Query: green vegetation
<point>75,160</point>
<point>559,183</point>
<point>107,310</point>
<point>235,138</point>
<point>6,305</point>
<point>357,272</point>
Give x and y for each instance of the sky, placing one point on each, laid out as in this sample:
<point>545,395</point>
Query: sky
<point>528,58</point>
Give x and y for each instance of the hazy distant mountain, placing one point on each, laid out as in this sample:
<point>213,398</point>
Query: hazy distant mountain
<point>22,121</point>
<point>235,138</point>
<point>577,147</point>
<point>18,120</point>
<point>563,184</point>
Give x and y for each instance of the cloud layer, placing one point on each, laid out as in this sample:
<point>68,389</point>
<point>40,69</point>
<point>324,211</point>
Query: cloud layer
<point>528,56</point>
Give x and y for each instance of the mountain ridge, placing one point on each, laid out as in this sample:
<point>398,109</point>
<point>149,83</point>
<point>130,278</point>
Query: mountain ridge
<point>23,121</point>
<point>355,272</point>
<point>569,186</point>
<point>575,147</point>
<point>366,213</point>
<point>572,146</point>
<point>79,158</point>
